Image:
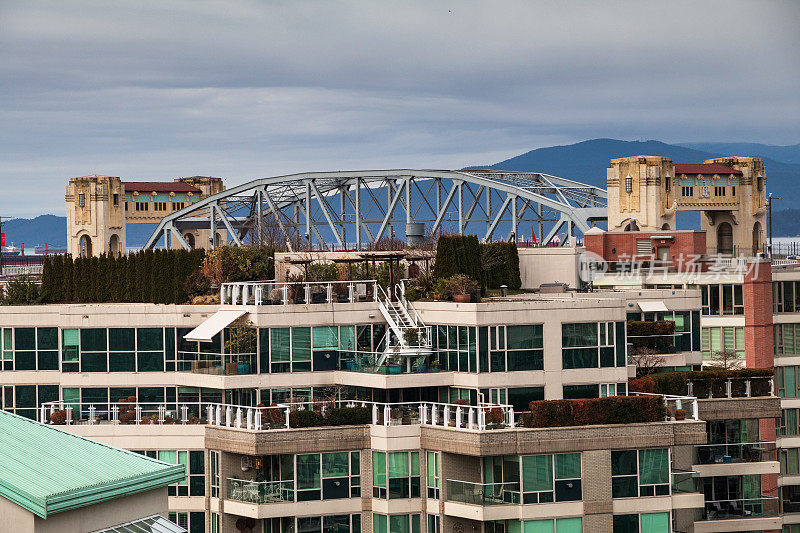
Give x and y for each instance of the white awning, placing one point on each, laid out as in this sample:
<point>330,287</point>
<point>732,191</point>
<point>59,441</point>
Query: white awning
<point>649,307</point>
<point>214,324</point>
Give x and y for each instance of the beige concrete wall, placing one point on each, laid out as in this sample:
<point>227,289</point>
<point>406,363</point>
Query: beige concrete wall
<point>15,518</point>
<point>549,264</point>
<point>106,514</point>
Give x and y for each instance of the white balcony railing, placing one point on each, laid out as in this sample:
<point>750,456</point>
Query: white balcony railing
<point>285,293</point>
<point>275,417</point>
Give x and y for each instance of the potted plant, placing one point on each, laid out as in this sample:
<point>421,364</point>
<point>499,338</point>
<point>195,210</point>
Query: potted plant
<point>461,288</point>
<point>680,414</point>
<point>435,365</point>
<point>411,336</point>
<point>395,417</point>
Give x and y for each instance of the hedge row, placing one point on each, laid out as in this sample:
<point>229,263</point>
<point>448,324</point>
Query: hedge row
<point>157,276</point>
<point>610,410</point>
<point>334,416</point>
<point>491,264</point>
<point>676,383</point>
<point>641,328</point>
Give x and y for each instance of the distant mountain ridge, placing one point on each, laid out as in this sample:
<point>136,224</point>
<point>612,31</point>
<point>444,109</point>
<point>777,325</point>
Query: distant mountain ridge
<point>783,154</point>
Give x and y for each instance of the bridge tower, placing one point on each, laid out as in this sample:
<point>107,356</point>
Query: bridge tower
<point>95,216</point>
<point>640,194</point>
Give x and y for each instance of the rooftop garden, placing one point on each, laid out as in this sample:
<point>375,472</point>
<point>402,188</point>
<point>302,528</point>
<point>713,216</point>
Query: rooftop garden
<point>707,383</point>
<point>594,411</point>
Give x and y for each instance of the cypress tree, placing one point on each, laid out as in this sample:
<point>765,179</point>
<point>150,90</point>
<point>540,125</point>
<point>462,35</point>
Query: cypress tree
<point>47,280</point>
<point>130,278</point>
<point>68,273</point>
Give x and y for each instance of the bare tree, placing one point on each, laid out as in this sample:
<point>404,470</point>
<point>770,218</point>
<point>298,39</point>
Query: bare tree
<point>646,360</point>
<point>724,360</point>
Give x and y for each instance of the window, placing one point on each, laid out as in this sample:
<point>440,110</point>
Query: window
<point>548,478</point>
<point>787,339</point>
<point>719,191</point>
<point>24,400</point>
<point>667,183</point>
<point>159,206</point>
<point>328,476</point>
<point>510,348</point>
<point>644,523</point>
<point>786,296</point>
<point>786,381</point>
<point>458,348</point>
<point>637,473</point>
<point>177,206</point>
<point>592,344</point>
<point>716,339</point>
<point>396,523</point>
<point>687,192</point>
<point>214,481</point>
<point>433,475</point>
<point>215,523</point>
<point>790,461</point>
<point>81,200</point>
<point>628,184</point>
<point>722,299</point>
<point>395,475</point>
<point>115,199</point>
<point>559,525</point>
<point>434,523</point>
<point>29,349</point>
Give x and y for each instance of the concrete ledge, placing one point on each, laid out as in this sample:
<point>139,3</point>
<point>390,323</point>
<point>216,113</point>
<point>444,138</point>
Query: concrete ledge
<point>737,469</point>
<point>513,512</point>
<point>738,524</point>
<point>735,408</point>
<point>301,440</point>
<point>272,510</point>
<point>521,441</point>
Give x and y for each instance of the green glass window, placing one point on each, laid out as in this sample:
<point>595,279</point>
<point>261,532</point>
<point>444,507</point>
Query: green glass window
<point>537,473</point>
<point>70,345</point>
<point>433,475</point>
<point>121,339</point>
<point>280,347</point>
<point>149,339</point>
<point>524,337</point>
<point>653,466</point>
<point>301,344</point>
<point>47,338</point>
<point>94,362</point>
<point>399,523</point>
<point>569,525</point>
<point>150,362</point>
<point>579,335</point>
<point>347,338</point>
<point>122,362</point>
<point>326,337</point>
<point>93,340</point>
<point>379,470</point>
<point>655,522</point>
<point>626,523</point>
<point>568,465</point>
<point>398,464</point>
<point>538,526</point>
<point>308,472</point>
<point>379,523</point>
<point>335,464</point>
<point>25,339</point>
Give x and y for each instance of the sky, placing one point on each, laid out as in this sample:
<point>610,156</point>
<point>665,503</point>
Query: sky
<point>151,90</point>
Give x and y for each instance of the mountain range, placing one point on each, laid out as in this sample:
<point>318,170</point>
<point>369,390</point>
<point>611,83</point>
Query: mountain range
<point>584,161</point>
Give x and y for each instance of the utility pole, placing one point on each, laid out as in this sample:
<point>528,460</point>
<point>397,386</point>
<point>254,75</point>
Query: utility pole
<point>769,215</point>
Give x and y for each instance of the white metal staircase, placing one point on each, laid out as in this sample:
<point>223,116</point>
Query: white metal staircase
<point>410,334</point>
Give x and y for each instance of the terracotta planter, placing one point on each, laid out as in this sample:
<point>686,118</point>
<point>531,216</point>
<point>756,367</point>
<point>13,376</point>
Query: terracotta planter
<point>461,298</point>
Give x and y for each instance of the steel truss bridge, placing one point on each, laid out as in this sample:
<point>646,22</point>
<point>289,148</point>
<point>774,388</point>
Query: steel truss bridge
<point>351,209</point>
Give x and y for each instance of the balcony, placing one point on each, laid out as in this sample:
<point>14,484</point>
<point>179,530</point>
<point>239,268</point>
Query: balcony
<point>482,493</point>
<point>281,416</point>
<point>744,452</point>
<point>791,506</point>
<point>375,363</point>
<point>260,491</point>
<point>764,507</point>
<point>217,364</point>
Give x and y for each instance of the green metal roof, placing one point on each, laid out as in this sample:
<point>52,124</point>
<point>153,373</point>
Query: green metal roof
<point>47,471</point>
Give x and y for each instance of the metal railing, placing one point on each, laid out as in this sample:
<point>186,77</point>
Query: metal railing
<point>482,493</point>
<point>685,482</point>
<point>217,363</point>
<point>260,491</point>
<point>743,452</point>
<point>400,363</point>
<point>741,508</point>
<point>276,417</point>
<point>732,388</point>
<point>673,403</point>
<point>301,292</point>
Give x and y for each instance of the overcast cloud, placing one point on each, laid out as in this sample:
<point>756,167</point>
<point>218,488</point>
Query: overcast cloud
<point>243,89</point>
